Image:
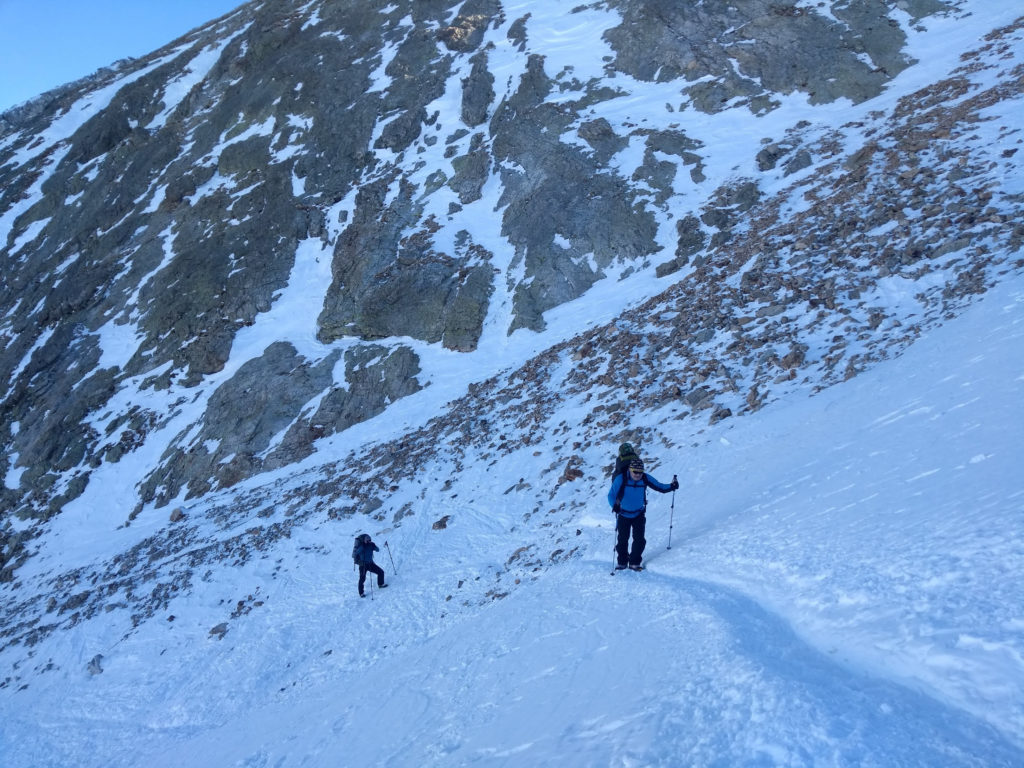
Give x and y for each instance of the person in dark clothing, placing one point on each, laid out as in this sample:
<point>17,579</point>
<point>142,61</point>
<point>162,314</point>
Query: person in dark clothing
<point>628,500</point>
<point>362,554</point>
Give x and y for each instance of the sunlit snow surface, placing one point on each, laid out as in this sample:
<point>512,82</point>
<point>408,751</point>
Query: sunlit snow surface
<point>844,585</point>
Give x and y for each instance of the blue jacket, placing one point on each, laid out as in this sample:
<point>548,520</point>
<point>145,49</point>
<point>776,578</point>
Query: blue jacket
<point>362,552</point>
<point>634,497</point>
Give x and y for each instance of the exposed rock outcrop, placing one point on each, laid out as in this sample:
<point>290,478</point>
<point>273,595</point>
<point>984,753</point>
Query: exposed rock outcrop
<point>429,173</point>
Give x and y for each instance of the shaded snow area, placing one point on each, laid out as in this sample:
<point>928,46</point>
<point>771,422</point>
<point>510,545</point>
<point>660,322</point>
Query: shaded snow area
<point>843,588</point>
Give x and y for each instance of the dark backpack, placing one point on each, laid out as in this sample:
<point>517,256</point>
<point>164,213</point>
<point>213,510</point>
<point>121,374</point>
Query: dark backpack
<point>626,455</point>
<point>357,548</point>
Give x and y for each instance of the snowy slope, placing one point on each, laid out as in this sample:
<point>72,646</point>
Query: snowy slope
<point>843,588</point>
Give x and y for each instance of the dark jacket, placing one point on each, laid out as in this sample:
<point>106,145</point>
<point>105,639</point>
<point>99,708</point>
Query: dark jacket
<point>362,551</point>
<point>634,495</point>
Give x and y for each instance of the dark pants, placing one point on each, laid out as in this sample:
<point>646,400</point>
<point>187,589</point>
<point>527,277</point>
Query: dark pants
<point>372,568</point>
<point>624,526</point>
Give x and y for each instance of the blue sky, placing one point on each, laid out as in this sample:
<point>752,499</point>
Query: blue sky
<point>46,43</point>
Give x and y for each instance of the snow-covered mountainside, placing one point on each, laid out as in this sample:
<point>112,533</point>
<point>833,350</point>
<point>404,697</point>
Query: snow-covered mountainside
<point>842,588</point>
<point>417,269</point>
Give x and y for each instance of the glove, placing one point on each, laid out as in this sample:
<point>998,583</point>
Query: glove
<point>675,485</point>
<point>616,509</point>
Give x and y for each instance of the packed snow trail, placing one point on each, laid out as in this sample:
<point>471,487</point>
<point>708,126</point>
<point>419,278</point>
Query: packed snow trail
<point>644,670</point>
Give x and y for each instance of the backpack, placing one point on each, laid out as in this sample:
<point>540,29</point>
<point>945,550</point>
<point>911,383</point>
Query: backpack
<point>626,455</point>
<point>357,548</point>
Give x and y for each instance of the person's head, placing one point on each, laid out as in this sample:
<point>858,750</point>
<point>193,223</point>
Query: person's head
<point>636,468</point>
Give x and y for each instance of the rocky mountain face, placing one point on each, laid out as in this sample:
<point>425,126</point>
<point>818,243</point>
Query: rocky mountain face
<point>425,178</point>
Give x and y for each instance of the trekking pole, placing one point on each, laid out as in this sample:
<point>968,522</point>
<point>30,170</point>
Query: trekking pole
<point>672,515</point>
<point>390,558</point>
<point>615,542</point>
<point>372,577</point>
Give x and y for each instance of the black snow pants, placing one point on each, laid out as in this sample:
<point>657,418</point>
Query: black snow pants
<point>372,568</point>
<point>636,526</point>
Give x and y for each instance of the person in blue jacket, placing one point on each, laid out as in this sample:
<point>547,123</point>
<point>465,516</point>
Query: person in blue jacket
<point>362,555</point>
<point>628,500</point>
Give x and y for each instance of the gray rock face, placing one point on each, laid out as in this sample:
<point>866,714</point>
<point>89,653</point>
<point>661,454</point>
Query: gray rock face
<point>466,31</point>
<point>692,240</point>
<point>550,191</point>
<point>260,419</point>
<point>430,156</point>
<point>600,135</point>
<point>244,415</point>
<point>471,171</point>
<point>375,376</point>
<point>477,92</point>
<point>389,282</point>
<point>753,48</point>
